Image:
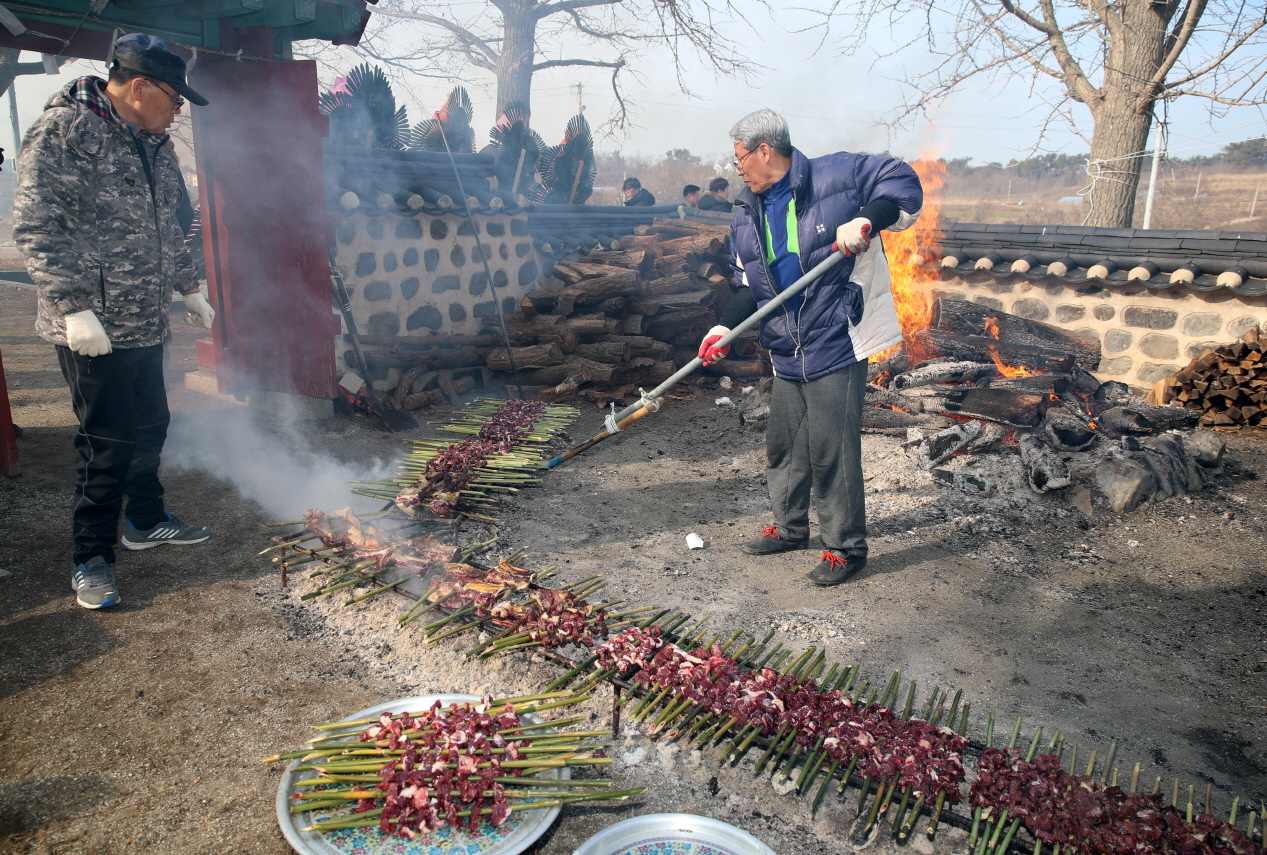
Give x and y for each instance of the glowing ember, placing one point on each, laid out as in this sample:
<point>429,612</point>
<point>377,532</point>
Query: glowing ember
<point>992,327</point>
<point>909,253</point>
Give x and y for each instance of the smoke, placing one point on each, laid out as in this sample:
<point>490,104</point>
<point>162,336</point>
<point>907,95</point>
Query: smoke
<point>271,459</point>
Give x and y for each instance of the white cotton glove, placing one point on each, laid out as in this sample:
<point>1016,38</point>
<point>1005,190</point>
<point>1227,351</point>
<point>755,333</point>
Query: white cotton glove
<point>854,237</point>
<point>85,335</point>
<point>708,350</point>
<point>198,311</point>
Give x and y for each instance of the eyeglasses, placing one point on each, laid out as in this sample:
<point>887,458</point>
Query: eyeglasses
<point>176,99</point>
<point>737,165</point>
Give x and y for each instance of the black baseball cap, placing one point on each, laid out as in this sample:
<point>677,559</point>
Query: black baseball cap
<point>151,57</point>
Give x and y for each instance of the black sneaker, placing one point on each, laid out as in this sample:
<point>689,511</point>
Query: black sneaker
<point>771,542</point>
<point>172,531</point>
<point>835,569</point>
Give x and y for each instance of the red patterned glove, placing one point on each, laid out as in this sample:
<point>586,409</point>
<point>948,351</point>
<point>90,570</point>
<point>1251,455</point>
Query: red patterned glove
<point>707,349</point>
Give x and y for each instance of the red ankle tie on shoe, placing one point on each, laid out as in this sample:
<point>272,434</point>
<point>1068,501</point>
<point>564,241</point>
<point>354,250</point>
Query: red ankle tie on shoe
<point>835,560</point>
<point>771,531</point>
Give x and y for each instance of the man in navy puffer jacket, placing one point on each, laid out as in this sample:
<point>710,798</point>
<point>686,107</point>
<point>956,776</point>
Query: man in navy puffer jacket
<point>786,220</point>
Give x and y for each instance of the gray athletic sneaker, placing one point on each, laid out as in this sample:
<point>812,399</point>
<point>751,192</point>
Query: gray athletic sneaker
<point>172,531</point>
<point>93,584</point>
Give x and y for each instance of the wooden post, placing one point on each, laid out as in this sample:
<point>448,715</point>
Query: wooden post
<point>576,181</point>
<point>514,188</point>
<point>8,444</point>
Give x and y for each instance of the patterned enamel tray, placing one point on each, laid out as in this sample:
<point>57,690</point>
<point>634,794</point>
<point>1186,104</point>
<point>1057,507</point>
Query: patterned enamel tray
<point>516,834</point>
<point>673,834</point>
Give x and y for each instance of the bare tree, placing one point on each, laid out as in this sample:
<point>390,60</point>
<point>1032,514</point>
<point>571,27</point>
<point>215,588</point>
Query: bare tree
<point>514,39</point>
<point>1119,58</point>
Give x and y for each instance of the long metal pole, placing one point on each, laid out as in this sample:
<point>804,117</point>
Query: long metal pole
<point>1152,181</point>
<point>641,408</point>
<point>13,117</point>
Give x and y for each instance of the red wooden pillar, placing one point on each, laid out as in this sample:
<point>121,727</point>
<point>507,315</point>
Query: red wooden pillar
<point>8,444</point>
<point>258,146</point>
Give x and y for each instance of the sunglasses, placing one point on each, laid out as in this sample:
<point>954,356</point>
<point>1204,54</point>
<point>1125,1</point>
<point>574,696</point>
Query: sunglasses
<point>176,99</point>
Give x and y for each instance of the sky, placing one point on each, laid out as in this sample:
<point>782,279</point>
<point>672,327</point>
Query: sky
<point>832,103</point>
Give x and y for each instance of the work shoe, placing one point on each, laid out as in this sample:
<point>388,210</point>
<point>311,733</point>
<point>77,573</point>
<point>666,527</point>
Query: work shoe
<point>171,531</point>
<point>836,568</point>
<point>771,542</point>
<point>93,584</point>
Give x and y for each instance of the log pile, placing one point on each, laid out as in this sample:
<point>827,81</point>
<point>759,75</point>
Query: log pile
<point>991,382</point>
<point>610,322</point>
<point>628,318</point>
<point>1227,384</point>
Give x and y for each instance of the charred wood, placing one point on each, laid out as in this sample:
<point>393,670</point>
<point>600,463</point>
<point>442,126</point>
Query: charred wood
<point>965,318</point>
<point>1019,409</point>
<point>944,372</point>
<point>980,349</point>
<point>1044,469</point>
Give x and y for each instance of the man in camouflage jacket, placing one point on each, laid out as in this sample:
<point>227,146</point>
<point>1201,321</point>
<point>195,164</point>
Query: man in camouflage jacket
<point>95,217</point>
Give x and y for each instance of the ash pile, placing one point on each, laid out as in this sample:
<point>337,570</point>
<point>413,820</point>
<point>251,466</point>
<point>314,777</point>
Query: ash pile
<point>986,399</point>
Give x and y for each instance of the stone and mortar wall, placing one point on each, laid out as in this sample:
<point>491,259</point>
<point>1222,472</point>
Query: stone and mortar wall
<point>1145,335</point>
<point>414,276</point>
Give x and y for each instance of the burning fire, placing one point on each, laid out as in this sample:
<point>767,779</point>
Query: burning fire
<point>992,328</point>
<point>909,253</point>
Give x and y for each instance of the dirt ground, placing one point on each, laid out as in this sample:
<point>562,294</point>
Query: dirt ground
<point>138,728</point>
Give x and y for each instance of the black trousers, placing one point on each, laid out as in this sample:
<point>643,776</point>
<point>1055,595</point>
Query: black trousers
<point>120,400</point>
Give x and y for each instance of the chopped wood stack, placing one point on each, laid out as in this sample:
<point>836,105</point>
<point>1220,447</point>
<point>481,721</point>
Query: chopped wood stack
<point>628,318</point>
<point>1227,384</point>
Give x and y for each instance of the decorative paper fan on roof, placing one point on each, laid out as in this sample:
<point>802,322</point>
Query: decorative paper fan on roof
<point>455,119</point>
<point>568,169</point>
<point>512,137</point>
<point>363,111</point>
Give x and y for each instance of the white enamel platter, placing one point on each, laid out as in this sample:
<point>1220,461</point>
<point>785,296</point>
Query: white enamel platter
<point>676,833</point>
<point>516,835</point>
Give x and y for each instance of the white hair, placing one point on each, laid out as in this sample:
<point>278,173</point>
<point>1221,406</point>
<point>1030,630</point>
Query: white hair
<point>763,126</point>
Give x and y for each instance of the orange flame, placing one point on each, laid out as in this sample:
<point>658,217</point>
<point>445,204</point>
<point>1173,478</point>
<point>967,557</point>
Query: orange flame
<point>992,328</point>
<point>913,255</point>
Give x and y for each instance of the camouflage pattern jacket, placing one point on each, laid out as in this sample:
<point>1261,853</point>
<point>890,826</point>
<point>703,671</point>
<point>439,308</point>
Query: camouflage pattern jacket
<point>93,234</point>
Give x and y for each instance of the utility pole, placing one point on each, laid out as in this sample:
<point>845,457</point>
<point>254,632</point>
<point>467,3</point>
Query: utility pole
<point>1196,194</point>
<point>1152,179</point>
<point>13,117</point>
<point>580,108</point>
<point>1254,204</point>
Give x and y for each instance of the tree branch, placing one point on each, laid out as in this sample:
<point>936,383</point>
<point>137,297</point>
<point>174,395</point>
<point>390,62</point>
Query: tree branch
<point>1215,63</point>
<point>469,39</point>
<point>1178,40</point>
<point>567,5</point>
<point>560,63</point>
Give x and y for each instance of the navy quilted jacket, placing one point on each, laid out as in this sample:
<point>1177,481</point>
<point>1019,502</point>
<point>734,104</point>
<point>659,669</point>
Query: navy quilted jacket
<point>848,313</point>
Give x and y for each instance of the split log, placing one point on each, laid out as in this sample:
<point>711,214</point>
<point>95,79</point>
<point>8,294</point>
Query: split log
<point>556,374</point>
<point>968,482</point>
<point>574,272</point>
<point>648,243</point>
<point>559,301</point>
<point>1139,418</point>
<point>418,400</point>
<point>666,230</point>
<point>654,374</point>
<point>587,325</point>
<point>880,419</point>
<point>605,351</point>
<point>1039,383</point>
<point>991,439</point>
<point>965,318</point>
<point>944,372</point>
<point>591,291</point>
<point>677,283</point>
<point>601,373</point>
<point>1044,469</point>
<point>1018,409</point>
<point>876,396</point>
<point>635,323</point>
<point>567,339</point>
<point>638,259</point>
<point>717,231</point>
<point>642,305</point>
<point>534,356</point>
<point>938,447</point>
<point>639,344</point>
<point>1227,385</point>
<point>708,269</point>
<point>1067,432</point>
<point>457,357</point>
<point>981,349</point>
<point>614,306</point>
<point>693,298</point>
<point>894,365</point>
<point>667,325</point>
<point>698,244</point>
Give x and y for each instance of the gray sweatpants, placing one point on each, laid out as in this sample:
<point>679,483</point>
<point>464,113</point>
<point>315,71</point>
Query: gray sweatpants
<point>814,438</point>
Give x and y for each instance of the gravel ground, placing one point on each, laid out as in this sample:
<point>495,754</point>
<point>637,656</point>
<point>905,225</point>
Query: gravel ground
<point>138,728</point>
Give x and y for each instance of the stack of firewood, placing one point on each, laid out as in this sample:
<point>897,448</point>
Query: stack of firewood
<point>626,318</point>
<point>1227,384</point>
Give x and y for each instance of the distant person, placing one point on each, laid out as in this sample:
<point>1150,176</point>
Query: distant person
<point>96,217</point>
<point>636,196</point>
<point>691,194</point>
<point>715,199</point>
